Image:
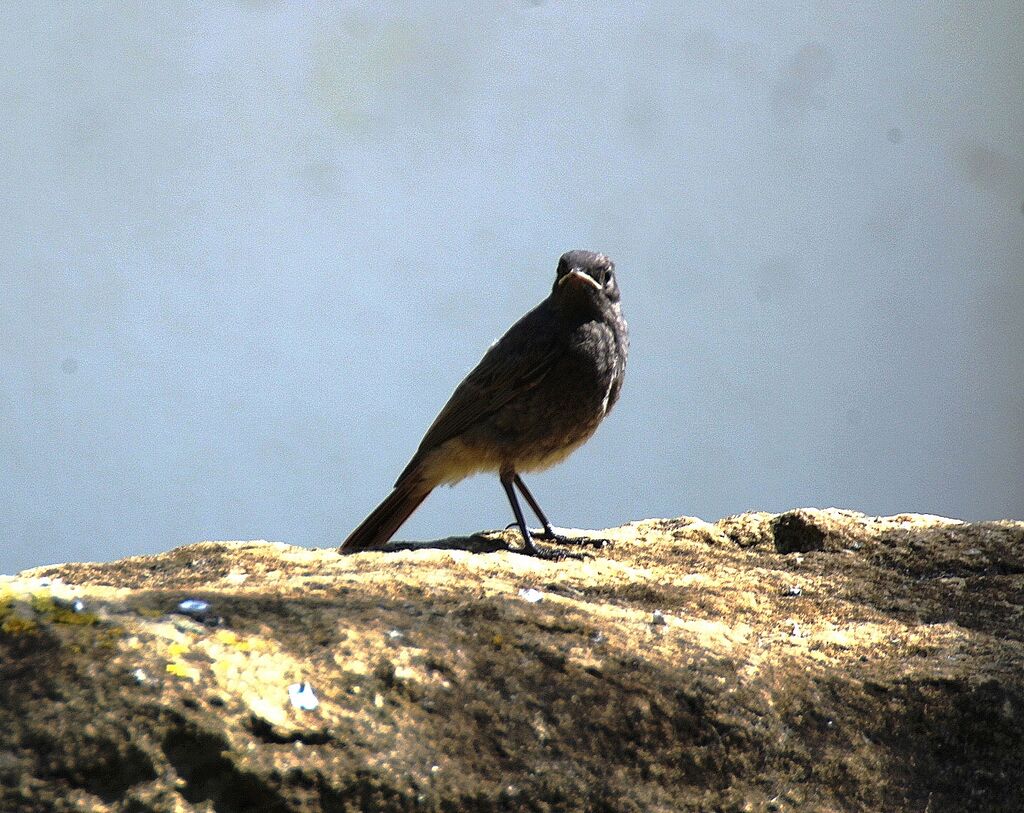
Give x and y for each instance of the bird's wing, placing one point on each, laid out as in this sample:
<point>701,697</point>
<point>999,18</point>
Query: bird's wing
<point>514,365</point>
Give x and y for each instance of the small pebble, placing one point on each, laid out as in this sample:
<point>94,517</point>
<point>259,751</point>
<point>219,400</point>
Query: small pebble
<point>140,676</point>
<point>395,635</point>
<point>76,605</point>
<point>199,610</point>
<point>303,697</point>
<point>658,618</point>
<point>531,595</point>
<point>793,590</point>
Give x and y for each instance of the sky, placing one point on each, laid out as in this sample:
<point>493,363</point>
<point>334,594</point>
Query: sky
<point>250,248</point>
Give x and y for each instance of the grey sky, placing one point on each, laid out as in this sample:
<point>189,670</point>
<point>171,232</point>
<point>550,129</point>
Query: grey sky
<point>250,248</point>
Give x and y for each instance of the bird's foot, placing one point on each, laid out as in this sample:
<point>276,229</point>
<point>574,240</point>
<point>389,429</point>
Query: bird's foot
<point>549,535</point>
<point>553,554</point>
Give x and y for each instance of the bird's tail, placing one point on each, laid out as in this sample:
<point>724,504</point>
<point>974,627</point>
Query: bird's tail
<point>388,517</point>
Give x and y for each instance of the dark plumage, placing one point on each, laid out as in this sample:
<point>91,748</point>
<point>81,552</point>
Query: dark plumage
<point>538,393</point>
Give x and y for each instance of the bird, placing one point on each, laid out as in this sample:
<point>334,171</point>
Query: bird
<point>537,395</point>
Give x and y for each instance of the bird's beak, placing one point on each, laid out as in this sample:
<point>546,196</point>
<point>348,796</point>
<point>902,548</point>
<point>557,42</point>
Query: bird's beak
<point>579,278</point>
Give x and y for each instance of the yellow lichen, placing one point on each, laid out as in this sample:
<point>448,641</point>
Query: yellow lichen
<point>183,670</point>
<point>42,603</point>
<point>16,625</point>
<point>231,639</point>
<point>65,615</point>
<point>50,610</point>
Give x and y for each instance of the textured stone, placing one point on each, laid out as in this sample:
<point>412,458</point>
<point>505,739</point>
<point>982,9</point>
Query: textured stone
<point>814,660</point>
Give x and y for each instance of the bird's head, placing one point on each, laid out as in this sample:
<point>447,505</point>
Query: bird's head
<point>585,277</point>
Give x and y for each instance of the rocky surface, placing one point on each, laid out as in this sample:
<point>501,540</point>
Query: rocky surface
<point>813,660</point>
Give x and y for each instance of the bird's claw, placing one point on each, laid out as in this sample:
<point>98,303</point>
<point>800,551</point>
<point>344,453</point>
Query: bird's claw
<point>554,554</point>
<point>580,541</point>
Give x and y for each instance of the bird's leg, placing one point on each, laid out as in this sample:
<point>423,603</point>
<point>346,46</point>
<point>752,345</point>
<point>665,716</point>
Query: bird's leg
<point>529,548</point>
<point>549,532</point>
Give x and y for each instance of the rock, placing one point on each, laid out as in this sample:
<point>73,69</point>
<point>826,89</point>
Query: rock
<point>798,531</point>
<point>811,660</point>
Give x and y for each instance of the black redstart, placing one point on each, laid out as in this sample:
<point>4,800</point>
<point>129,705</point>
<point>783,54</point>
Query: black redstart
<point>538,393</point>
